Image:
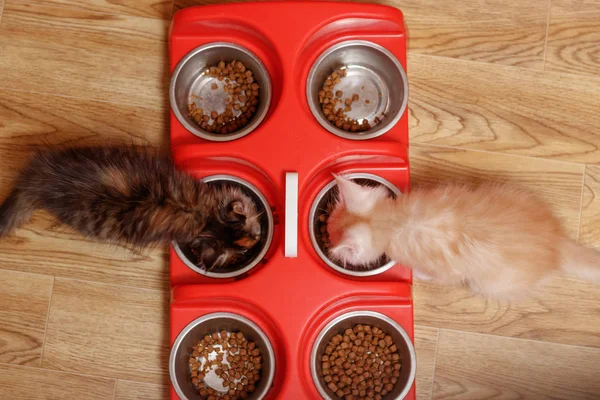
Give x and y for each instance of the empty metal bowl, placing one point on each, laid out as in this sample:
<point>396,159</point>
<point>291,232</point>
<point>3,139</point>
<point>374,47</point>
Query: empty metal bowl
<point>179,369</point>
<point>324,200</point>
<point>253,256</point>
<point>189,79</point>
<point>374,74</point>
<point>401,339</point>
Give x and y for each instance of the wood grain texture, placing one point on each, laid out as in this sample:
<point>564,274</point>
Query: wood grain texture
<point>19,383</point>
<point>558,183</point>
<point>471,366</point>
<point>574,37</point>
<point>24,300</point>
<point>129,390</point>
<point>81,54</point>
<point>564,310</point>
<point>138,8</point>
<point>43,246</point>
<point>589,233</point>
<point>504,110</point>
<point>426,340</point>
<point>29,120</point>
<point>493,31</point>
<point>108,331</point>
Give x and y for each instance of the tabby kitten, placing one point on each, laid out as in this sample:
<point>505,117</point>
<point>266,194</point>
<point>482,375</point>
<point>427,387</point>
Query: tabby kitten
<point>133,196</point>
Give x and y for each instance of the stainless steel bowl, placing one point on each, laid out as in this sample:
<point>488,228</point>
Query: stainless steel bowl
<point>189,78</point>
<point>373,73</point>
<point>319,206</point>
<point>182,349</point>
<point>256,254</point>
<point>401,339</point>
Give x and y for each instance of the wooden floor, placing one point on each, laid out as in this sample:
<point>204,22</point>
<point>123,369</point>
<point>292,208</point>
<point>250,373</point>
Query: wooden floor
<point>502,90</point>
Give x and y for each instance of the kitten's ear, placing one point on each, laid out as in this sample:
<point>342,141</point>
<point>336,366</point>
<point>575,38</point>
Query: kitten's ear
<point>357,199</point>
<point>237,207</point>
<point>347,251</point>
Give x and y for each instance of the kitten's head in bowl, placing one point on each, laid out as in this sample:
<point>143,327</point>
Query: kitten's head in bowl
<point>232,230</point>
<point>352,227</point>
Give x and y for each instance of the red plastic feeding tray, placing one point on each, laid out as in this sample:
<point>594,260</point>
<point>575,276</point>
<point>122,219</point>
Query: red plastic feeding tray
<point>287,159</point>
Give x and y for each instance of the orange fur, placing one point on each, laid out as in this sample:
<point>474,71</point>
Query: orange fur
<point>500,240</point>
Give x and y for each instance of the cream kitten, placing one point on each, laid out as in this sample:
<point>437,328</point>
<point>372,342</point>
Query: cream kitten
<point>499,240</point>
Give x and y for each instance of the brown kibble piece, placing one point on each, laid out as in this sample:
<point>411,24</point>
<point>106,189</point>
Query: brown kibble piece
<point>351,371</point>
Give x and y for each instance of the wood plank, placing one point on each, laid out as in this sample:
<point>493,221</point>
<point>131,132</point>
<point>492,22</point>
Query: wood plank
<point>502,109</point>
<point>44,247</point>
<point>498,31</point>
<point>19,383</point>
<point>25,299</point>
<point>471,366</point>
<point>564,310</point>
<point>589,233</point>
<point>138,8</point>
<point>574,37</point>
<point>114,331</point>
<point>426,340</point>
<point>31,120</point>
<point>121,59</point>
<point>129,390</point>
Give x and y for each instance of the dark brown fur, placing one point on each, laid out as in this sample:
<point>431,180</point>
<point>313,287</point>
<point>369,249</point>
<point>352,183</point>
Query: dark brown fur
<point>129,195</point>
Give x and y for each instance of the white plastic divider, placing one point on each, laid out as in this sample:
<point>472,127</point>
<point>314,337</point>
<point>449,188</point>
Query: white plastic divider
<point>291,214</point>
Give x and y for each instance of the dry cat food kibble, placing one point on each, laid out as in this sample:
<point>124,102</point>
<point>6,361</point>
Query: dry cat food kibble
<point>225,366</point>
<point>323,235</point>
<point>361,363</point>
<point>241,103</point>
<point>335,104</point>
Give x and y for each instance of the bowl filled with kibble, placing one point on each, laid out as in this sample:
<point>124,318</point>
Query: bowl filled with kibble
<point>357,90</point>
<point>363,355</point>
<point>222,356</point>
<point>220,91</point>
<point>319,216</point>
<point>243,262</point>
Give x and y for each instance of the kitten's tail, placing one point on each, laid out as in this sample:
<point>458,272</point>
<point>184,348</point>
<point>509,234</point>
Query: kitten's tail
<point>14,212</point>
<point>580,262</point>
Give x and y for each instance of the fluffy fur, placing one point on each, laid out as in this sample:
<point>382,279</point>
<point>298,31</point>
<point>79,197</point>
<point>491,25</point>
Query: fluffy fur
<point>133,196</point>
<point>500,240</point>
